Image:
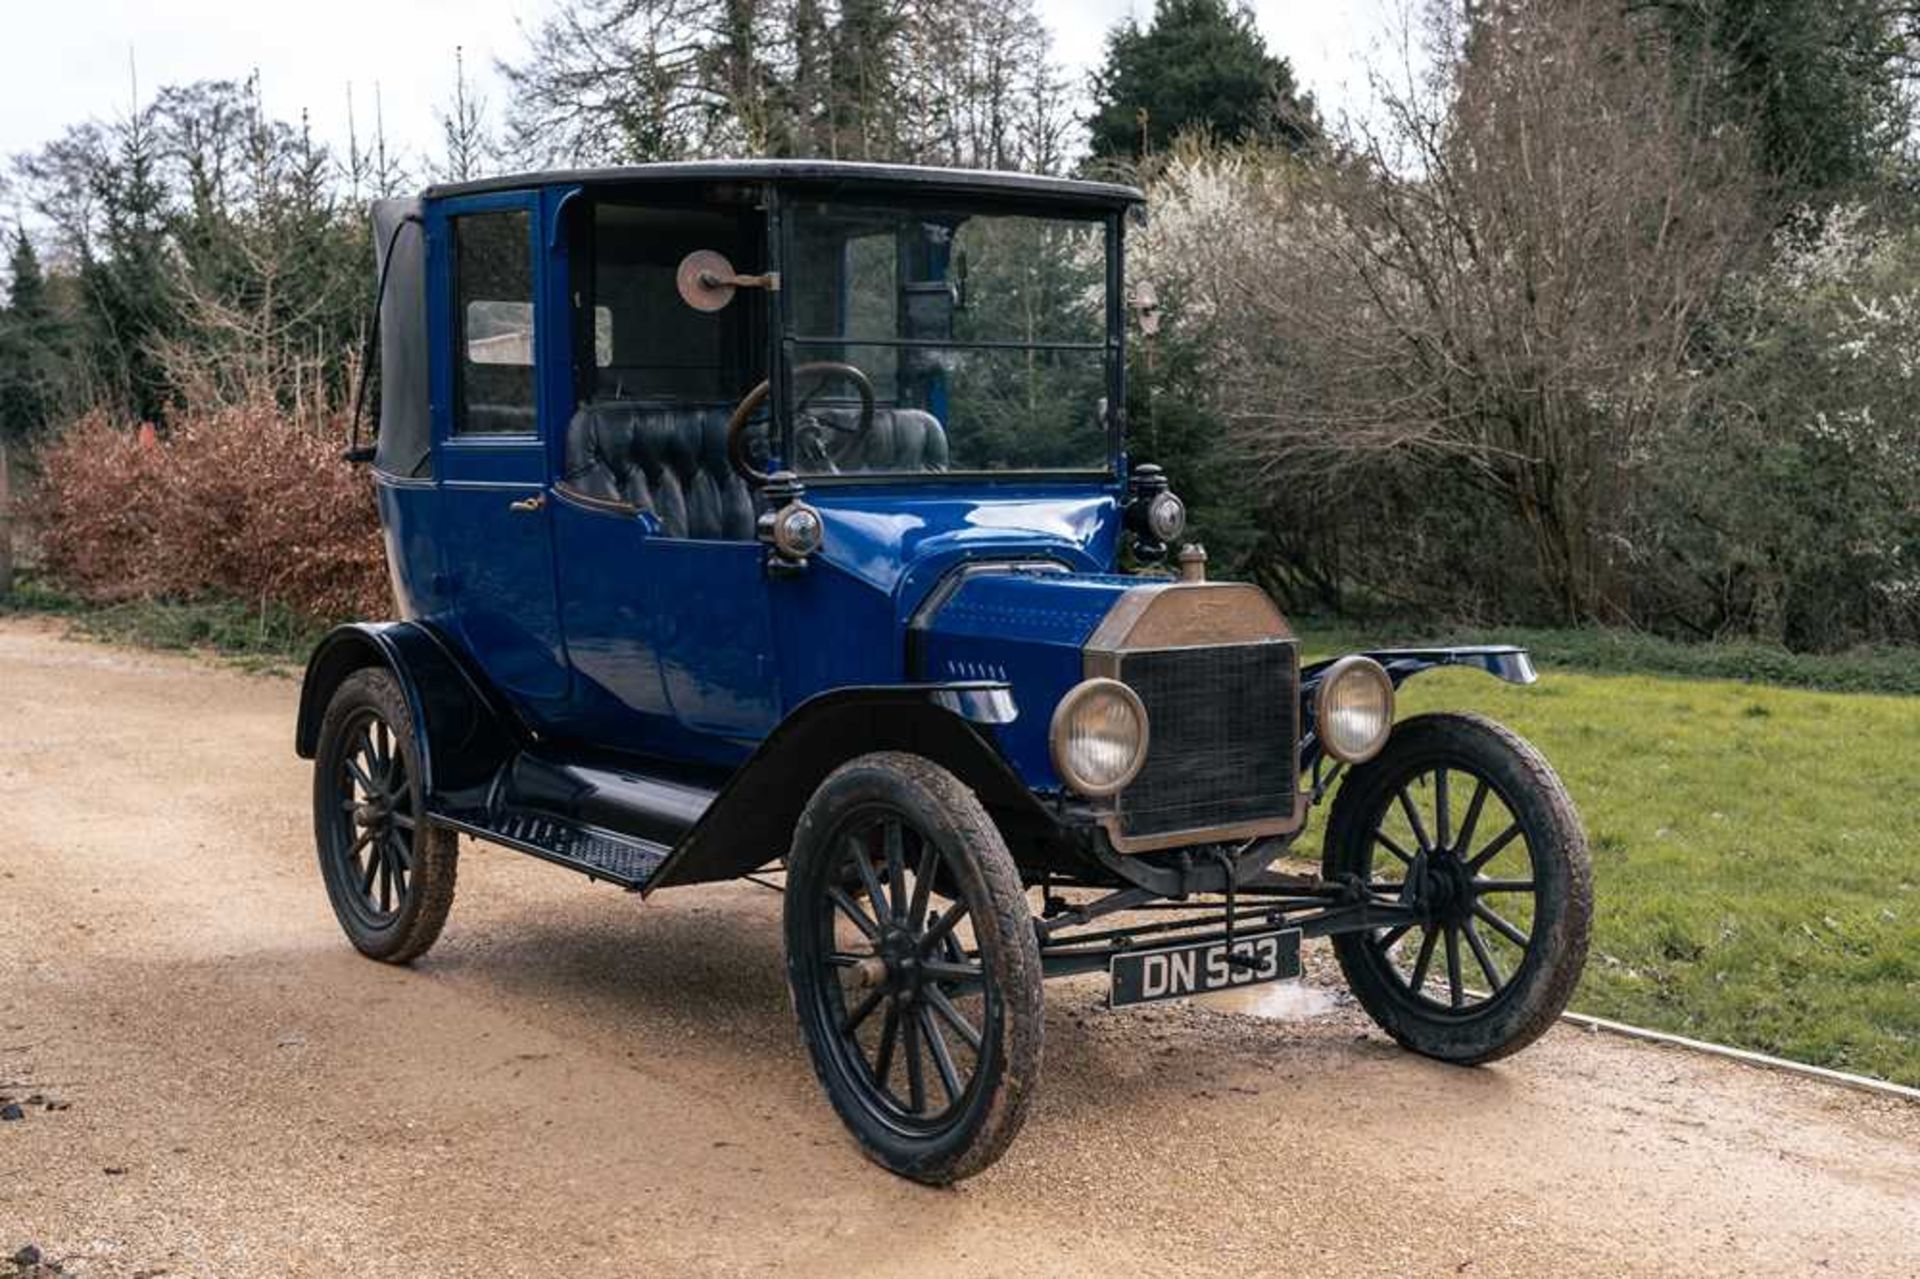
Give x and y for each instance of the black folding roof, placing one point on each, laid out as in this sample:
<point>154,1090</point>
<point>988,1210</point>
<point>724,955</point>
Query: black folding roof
<point>903,177</point>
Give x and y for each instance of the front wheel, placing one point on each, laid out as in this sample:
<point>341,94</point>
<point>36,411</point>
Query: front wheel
<point>913,965</point>
<point>1462,820</point>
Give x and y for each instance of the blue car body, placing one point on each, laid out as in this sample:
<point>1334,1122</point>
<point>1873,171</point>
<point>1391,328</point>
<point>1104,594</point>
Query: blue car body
<point>584,679</point>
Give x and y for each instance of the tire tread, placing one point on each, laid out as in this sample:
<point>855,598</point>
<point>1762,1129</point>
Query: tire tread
<point>1467,1043</point>
<point>436,849</point>
<point>966,821</point>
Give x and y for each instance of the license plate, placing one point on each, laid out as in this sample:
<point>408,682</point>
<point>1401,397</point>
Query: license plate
<point>1175,972</point>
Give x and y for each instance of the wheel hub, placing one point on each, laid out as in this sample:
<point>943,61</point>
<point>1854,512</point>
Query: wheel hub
<point>899,953</point>
<point>1446,887</point>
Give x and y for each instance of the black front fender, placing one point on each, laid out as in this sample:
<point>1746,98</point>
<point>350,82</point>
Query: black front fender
<point>1502,661</point>
<point>751,821</point>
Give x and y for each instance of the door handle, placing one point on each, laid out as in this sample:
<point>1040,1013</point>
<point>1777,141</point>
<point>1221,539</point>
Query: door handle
<point>528,505</point>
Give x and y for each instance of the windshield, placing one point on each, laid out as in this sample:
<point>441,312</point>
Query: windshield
<point>921,340</point>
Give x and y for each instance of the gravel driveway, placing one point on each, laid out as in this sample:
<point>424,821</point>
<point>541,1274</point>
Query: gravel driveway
<point>213,1083</point>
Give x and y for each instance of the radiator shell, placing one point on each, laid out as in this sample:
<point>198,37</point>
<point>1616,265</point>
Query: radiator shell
<point>1222,739</point>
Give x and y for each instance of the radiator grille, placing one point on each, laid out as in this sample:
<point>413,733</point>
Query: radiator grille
<point>1220,747</point>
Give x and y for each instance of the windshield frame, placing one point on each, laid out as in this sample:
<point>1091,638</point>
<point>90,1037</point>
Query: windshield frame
<point>783,339</point>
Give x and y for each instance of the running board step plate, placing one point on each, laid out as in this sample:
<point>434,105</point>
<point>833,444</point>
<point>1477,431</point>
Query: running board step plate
<point>595,853</point>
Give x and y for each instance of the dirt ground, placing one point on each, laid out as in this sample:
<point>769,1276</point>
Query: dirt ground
<point>213,1083</point>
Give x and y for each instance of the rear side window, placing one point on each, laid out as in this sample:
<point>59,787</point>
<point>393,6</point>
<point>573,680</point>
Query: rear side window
<point>493,292</point>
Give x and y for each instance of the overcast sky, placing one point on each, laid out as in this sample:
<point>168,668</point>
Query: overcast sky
<point>69,60</point>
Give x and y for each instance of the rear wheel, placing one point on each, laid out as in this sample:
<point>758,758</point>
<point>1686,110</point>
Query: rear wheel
<point>389,871</point>
<point>913,965</point>
<point>1463,820</point>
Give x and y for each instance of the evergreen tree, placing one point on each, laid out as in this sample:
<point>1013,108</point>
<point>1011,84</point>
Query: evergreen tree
<point>1200,64</point>
<point>1822,86</point>
<point>388,169</point>
<point>30,372</point>
<point>131,298</point>
<point>863,80</point>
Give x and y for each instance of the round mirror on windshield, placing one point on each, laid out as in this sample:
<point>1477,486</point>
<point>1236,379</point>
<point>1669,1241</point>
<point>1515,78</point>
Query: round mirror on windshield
<point>705,280</point>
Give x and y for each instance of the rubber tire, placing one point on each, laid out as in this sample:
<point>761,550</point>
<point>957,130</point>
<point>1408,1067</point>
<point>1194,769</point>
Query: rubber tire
<point>1536,996</point>
<point>947,812</point>
<point>436,850</point>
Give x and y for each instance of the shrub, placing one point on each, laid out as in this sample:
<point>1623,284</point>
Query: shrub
<point>1788,507</point>
<point>230,502</point>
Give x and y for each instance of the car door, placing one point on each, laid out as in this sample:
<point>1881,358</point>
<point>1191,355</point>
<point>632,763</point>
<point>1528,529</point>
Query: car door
<point>665,597</point>
<point>496,533</point>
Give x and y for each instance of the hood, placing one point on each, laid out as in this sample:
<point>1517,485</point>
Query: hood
<point>903,542</point>
<point>1026,626</point>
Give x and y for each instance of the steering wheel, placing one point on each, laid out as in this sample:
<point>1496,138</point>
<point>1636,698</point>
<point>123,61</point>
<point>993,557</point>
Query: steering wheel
<point>814,425</point>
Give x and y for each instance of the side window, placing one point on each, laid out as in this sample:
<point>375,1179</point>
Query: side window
<point>493,301</point>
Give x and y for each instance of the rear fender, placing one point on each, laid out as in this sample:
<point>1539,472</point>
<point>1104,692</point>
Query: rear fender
<point>461,734</point>
<point>751,821</point>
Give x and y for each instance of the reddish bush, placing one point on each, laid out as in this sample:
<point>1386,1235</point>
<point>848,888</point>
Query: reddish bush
<point>235,502</point>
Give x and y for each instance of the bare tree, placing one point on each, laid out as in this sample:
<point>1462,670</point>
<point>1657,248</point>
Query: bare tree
<point>1504,279</point>
<point>389,168</point>
<point>253,348</point>
<point>466,140</point>
<point>991,96</point>
<point>611,81</point>
<point>953,82</point>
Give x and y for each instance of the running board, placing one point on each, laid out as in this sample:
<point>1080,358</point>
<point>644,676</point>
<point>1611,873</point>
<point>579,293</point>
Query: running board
<point>625,860</point>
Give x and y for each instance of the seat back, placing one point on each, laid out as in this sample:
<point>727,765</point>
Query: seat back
<point>899,441</point>
<point>670,459</point>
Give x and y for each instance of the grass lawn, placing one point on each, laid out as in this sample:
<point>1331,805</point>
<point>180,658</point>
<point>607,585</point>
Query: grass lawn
<point>1756,854</point>
<point>264,638</point>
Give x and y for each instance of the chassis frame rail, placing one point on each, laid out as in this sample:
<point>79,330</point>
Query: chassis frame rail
<point>1319,912</point>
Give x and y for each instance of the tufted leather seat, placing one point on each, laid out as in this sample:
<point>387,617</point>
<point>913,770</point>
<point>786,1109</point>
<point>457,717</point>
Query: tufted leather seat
<point>671,459</point>
<point>667,459</point>
<point>899,440</point>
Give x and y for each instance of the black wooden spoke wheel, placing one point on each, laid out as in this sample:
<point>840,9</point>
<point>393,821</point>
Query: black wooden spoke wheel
<point>914,968</point>
<point>389,873</point>
<point>1463,821</point>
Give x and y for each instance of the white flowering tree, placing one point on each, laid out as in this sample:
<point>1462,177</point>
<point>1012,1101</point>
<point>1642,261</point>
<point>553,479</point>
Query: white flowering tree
<point>1800,477</point>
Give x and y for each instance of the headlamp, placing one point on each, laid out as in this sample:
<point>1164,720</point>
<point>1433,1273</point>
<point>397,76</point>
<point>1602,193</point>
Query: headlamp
<point>1353,709</point>
<point>1099,737</point>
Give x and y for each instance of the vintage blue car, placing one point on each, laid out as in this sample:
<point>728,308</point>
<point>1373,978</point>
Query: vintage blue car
<point>777,518</point>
